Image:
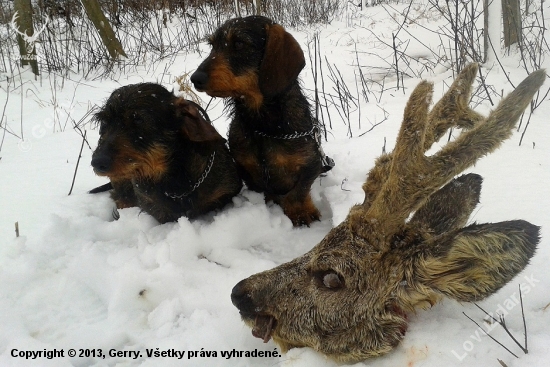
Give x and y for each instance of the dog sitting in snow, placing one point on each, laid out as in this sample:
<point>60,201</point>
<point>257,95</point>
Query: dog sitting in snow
<point>273,137</point>
<point>162,155</point>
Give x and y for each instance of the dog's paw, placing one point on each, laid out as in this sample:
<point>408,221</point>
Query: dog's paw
<point>305,218</point>
<point>302,213</point>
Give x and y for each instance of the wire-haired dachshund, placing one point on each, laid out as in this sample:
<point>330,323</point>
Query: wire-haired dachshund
<point>273,137</point>
<point>162,155</point>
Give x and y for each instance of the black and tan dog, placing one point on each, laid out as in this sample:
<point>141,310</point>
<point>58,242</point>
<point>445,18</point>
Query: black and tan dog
<point>273,136</point>
<point>162,155</point>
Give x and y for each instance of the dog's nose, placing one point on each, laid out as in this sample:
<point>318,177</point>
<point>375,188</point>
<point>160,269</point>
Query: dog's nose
<point>199,79</point>
<point>241,299</point>
<point>102,163</point>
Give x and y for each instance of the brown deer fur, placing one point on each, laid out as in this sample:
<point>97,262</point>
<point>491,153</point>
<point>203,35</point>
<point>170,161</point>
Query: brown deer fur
<point>348,297</point>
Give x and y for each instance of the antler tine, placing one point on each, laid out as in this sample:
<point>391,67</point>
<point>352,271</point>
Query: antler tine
<point>14,18</point>
<point>487,136</point>
<point>15,26</point>
<point>389,186</point>
<point>396,196</point>
<point>24,34</point>
<point>46,20</point>
<point>451,110</point>
<point>401,181</point>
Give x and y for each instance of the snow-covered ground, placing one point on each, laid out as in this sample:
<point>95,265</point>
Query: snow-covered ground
<point>75,278</point>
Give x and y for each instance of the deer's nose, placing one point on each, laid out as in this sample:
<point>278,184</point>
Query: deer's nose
<point>241,298</point>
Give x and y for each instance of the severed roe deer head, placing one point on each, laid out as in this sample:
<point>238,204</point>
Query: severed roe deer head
<point>349,296</point>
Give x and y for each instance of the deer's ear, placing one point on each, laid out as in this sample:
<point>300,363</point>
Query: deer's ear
<point>449,208</point>
<point>283,60</point>
<point>478,260</point>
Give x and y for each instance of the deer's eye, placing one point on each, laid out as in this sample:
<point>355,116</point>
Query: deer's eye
<point>329,280</point>
<point>332,281</point>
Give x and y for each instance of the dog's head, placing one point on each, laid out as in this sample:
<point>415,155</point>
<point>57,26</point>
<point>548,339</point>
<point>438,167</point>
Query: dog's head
<point>251,58</point>
<point>140,125</point>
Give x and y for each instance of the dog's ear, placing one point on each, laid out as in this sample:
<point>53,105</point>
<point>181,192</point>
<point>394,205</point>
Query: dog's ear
<point>193,125</point>
<point>283,60</point>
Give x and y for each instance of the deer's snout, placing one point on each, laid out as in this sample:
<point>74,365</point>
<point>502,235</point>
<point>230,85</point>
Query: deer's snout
<point>241,298</point>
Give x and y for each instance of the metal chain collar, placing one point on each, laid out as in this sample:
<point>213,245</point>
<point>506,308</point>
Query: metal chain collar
<point>294,135</point>
<point>315,132</point>
<point>199,182</point>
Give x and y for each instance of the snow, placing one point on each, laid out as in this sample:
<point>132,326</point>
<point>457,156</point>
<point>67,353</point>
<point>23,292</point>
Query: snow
<point>76,278</point>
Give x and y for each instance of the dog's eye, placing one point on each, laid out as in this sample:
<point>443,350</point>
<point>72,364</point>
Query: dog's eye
<point>238,45</point>
<point>137,119</point>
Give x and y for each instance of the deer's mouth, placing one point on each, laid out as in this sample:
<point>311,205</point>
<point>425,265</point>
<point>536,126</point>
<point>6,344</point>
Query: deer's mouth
<point>263,328</point>
<point>263,324</point>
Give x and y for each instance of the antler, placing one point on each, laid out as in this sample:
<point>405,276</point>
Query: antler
<point>25,36</point>
<point>403,180</point>
<point>15,26</point>
<point>36,34</point>
<point>348,296</point>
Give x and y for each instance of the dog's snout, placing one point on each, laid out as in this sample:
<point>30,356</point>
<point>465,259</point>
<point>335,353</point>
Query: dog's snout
<point>241,299</point>
<point>199,79</point>
<point>101,163</point>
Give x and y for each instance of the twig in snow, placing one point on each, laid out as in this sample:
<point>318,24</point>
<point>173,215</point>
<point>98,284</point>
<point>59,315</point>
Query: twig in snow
<point>2,116</point>
<point>342,184</point>
<point>77,162</point>
<point>502,322</point>
<point>489,335</point>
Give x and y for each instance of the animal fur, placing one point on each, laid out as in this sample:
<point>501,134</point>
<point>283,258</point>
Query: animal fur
<point>161,154</point>
<point>348,297</point>
<point>255,64</point>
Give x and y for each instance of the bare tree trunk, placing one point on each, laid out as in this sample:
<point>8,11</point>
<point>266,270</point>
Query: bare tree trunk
<point>511,20</point>
<point>493,29</point>
<point>258,7</point>
<point>93,10</point>
<point>27,51</point>
<point>485,30</point>
<point>237,8</point>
